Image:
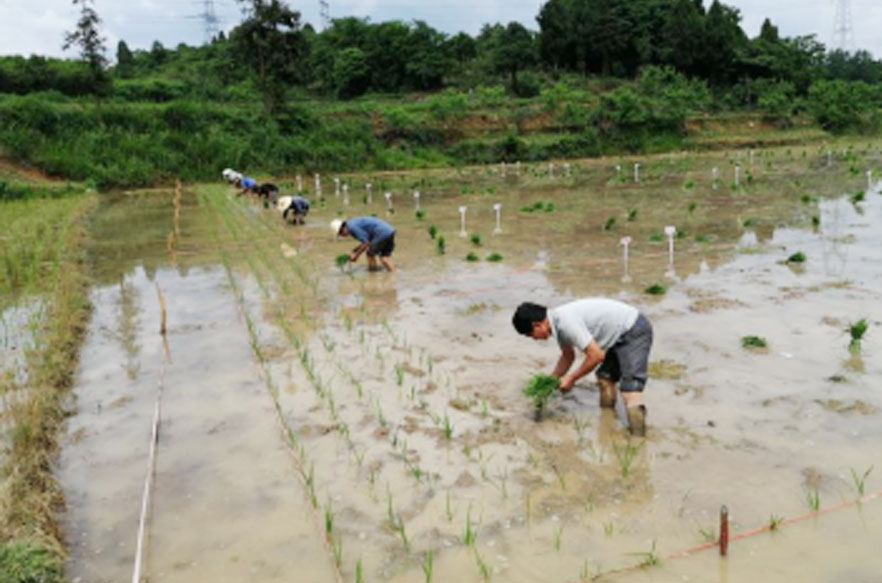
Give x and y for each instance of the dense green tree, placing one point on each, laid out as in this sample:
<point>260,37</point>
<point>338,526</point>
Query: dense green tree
<point>724,43</point>
<point>271,43</point>
<point>351,73</point>
<point>124,60</point>
<point>513,50</point>
<point>87,37</point>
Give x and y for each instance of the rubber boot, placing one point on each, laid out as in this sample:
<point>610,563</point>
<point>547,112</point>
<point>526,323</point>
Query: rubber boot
<point>637,420</point>
<point>607,392</point>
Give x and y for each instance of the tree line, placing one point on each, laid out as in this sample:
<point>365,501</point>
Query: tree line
<point>273,55</point>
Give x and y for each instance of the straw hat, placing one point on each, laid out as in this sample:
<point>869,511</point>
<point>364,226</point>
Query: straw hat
<point>227,173</point>
<point>283,203</point>
<point>336,224</point>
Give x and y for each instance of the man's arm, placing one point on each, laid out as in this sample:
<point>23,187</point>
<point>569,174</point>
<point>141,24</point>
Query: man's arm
<point>356,253</point>
<point>567,355</point>
<point>594,355</point>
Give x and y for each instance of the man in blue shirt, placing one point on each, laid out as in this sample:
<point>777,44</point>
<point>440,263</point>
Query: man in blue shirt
<point>247,184</point>
<point>376,236</point>
<point>296,206</point>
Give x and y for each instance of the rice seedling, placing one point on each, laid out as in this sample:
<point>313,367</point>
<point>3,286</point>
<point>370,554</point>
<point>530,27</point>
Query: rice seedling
<point>632,215</point>
<point>655,289</point>
<point>860,481</point>
<point>440,245</point>
<point>341,261</point>
<point>549,207</point>
<point>798,257</point>
<point>337,550</point>
<point>650,557</point>
<point>483,568</point>
<point>472,257</point>
<point>448,509</point>
<point>528,507</point>
<point>626,453</point>
<point>775,521</point>
<point>359,572</point>
<point>539,389</point>
<point>585,572</point>
<point>699,238</point>
<point>816,221</point>
<point>399,375</point>
<point>691,208</point>
<point>747,223</point>
<point>399,528</point>
<point>609,528</point>
<point>447,428</point>
<point>609,224</point>
<point>428,569</point>
<point>494,258</point>
<point>813,497</point>
<point>469,535</point>
<point>558,535</point>
<point>580,425</point>
<point>476,240</point>
<point>419,214</point>
<point>433,231</point>
<point>857,330</point>
<point>753,342</point>
<point>707,534</point>
<point>656,238</point>
<point>857,197</point>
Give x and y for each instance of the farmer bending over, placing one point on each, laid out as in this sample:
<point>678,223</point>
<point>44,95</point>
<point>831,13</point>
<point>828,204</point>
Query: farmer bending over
<point>608,333</point>
<point>269,193</point>
<point>376,236</point>
<point>296,206</point>
<point>246,184</point>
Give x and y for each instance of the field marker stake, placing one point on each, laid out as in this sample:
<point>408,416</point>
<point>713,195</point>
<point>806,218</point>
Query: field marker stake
<point>746,534</point>
<point>462,214</point>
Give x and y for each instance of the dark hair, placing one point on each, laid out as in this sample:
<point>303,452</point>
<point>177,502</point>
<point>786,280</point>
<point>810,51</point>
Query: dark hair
<point>526,314</point>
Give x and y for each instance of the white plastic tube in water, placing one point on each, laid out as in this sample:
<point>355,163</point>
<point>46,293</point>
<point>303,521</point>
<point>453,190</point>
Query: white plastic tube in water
<point>299,183</point>
<point>625,241</point>
<point>370,194</point>
<point>318,185</point>
<point>346,194</point>
<point>869,180</point>
<point>829,158</point>
<point>502,169</point>
<point>714,174</point>
<point>462,222</point>
<point>750,157</point>
<point>388,196</point>
<point>737,175</point>
<point>636,172</point>
<point>497,208</point>
<point>551,169</point>
<point>336,187</point>
<point>416,199</point>
<point>670,231</point>
<point>518,167</point>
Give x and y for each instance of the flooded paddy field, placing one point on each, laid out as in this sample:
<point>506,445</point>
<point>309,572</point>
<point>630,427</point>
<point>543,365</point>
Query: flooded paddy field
<point>320,424</point>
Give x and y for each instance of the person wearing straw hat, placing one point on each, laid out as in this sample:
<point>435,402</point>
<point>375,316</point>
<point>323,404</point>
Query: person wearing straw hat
<point>296,206</point>
<point>375,236</point>
<point>614,337</point>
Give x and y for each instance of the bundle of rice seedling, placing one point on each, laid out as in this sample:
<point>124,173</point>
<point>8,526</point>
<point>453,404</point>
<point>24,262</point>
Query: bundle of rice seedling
<point>540,388</point>
<point>342,260</point>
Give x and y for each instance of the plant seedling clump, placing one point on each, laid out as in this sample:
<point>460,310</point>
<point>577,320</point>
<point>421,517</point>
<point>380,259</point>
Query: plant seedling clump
<point>857,331</point>
<point>471,256</point>
<point>433,230</point>
<point>440,246</point>
<point>655,289</point>
<point>798,257</point>
<point>494,257</point>
<point>540,388</point>
<point>754,342</point>
<point>609,224</point>
<point>341,261</point>
<point>476,240</point>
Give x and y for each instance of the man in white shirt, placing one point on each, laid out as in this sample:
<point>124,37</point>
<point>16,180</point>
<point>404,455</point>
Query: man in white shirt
<point>611,334</point>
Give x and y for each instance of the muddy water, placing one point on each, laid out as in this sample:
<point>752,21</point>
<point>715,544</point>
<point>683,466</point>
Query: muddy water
<point>402,390</point>
<point>227,504</point>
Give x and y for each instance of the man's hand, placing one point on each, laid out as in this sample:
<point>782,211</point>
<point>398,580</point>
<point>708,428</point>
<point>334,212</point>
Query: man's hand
<point>566,383</point>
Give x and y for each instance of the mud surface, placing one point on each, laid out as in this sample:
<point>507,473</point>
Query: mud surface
<point>399,394</point>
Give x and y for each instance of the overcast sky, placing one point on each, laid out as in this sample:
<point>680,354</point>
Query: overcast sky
<point>38,26</point>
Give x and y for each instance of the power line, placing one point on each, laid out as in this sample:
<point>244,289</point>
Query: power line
<point>209,20</point>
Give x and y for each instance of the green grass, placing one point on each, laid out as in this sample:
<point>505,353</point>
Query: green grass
<point>25,562</point>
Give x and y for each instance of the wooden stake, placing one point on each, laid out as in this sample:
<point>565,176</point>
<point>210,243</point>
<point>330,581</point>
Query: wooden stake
<point>162,328</point>
<point>724,531</point>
